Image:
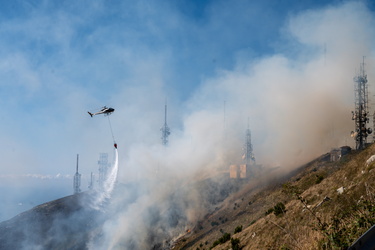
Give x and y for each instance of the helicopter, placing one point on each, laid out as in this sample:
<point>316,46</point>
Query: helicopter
<point>105,110</point>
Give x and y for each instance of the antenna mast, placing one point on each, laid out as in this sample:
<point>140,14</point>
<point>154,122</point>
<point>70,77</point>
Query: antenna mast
<point>249,155</point>
<point>361,113</point>
<point>77,180</point>
<point>165,132</point>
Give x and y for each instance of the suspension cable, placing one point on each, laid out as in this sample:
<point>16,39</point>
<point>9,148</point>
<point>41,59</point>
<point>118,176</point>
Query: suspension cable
<point>110,126</point>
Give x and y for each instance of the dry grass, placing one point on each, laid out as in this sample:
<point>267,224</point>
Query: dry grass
<point>309,222</point>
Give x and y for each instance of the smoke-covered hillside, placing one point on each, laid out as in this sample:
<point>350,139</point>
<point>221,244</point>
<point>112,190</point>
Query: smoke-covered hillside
<point>322,204</point>
<point>66,223</point>
<point>79,222</point>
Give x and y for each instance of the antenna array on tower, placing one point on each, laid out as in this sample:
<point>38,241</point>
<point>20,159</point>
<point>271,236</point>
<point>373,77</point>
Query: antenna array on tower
<point>361,113</point>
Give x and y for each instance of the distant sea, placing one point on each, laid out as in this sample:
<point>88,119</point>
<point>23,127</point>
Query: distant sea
<point>22,194</point>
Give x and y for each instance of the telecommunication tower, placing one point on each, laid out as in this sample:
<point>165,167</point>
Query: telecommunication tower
<point>249,155</point>
<point>77,180</point>
<point>361,113</point>
<point>165,132</point>
<point>103,168</point>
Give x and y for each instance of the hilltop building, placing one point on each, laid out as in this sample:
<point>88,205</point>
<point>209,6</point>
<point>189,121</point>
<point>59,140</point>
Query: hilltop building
<point>337,153</point>
<point>249,168</point>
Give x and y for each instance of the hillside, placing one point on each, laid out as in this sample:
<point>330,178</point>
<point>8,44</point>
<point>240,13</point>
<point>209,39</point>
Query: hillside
<point>322,205</point>
<point>79,222</point>
<point>65,223</point>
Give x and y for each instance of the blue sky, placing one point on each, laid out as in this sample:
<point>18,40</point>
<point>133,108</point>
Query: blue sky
<point>194,38</point>
<point>59,59</point>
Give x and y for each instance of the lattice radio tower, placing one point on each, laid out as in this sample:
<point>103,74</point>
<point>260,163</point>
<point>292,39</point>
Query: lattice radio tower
<point>77,180</point>
<point>361,114</point>
<point>249,155</point>
<point>165,132</point>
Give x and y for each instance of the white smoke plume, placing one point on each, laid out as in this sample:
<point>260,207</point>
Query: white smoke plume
<point>112,176</point>
<point>298,102</point>
<point>104,193</point>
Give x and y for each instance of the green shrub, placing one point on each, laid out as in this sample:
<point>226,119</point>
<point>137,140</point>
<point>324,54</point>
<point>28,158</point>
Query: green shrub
<point>279,209</point>
<point>319,179</point>
<point>214,223</point>
<point>269,211</point>
<point>221,240</point>
<point>238,229</point>
<point>235,244</point>
<point>216,242</point>
<point>224,238</point>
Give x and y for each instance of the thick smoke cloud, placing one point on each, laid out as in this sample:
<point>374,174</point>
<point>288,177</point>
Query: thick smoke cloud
<point>298,103</point>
